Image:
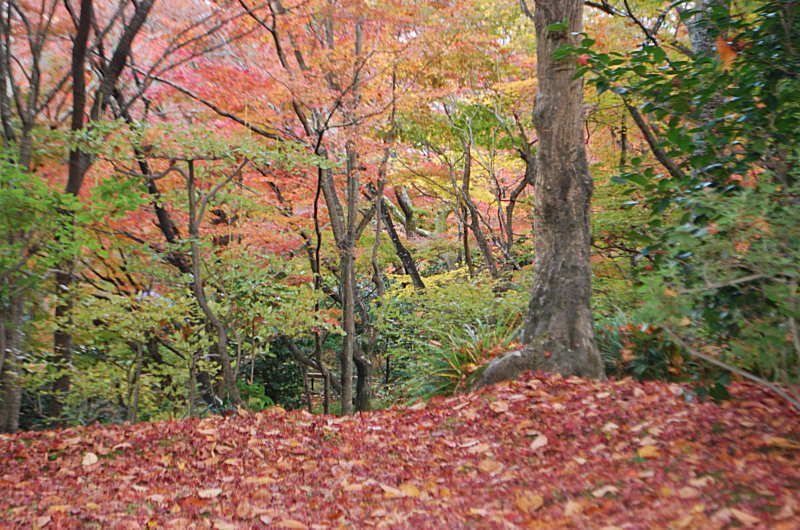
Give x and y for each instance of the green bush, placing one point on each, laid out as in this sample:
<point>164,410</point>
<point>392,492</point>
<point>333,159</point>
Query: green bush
<point>722,233</point>
<point>437,337</point>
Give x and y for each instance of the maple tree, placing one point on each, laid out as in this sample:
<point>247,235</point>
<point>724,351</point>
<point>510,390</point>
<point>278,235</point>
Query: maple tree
<point>220,207</point>
<point>365,177</point>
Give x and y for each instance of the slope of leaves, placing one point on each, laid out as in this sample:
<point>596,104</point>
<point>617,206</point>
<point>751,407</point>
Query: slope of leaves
<point>543,452</point>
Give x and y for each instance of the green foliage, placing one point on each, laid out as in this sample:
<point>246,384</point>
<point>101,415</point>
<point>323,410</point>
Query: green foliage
<point>254,395</point>
<point>723,228</point>
<point>444,367</point>
<point>34,236</point>
<point>630,346</point>
<point>277,379</point>
<point>438,336</point>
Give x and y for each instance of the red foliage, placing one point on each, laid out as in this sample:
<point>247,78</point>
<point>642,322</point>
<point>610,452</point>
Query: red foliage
<point>542,452</point>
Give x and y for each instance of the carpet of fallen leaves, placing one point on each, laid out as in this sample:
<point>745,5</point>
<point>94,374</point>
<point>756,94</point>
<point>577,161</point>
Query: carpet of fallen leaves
<point>543,452</point>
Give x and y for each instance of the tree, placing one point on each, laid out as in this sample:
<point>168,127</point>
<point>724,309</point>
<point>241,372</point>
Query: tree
<point>79,160</point>
<point>559,330</point>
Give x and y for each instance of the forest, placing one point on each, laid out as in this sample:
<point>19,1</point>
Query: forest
<point>269,263</point>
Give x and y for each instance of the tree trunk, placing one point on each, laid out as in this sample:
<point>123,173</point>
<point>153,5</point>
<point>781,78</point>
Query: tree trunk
<point>363,388</point>
<point>228,376</point>
<point>530,173</point>
<point>78,165</point>
<point>134,384</point>
<point>474,215</point>
<point>559,332</point>
<point>402,252</point>
<point>404,201</point>
<point>80,161</point>
<point>11,322</point>
<point>347,282</point>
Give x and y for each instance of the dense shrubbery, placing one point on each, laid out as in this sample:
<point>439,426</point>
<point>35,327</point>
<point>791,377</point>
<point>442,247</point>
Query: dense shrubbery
<point>437,337</point>
<point>723,233</point>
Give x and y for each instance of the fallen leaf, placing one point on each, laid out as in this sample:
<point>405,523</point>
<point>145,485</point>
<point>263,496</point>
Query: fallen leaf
<point>488,465</point>
<point>291,523</point>
<point>346,486</point>
<point>573,508</point>
<point>480,448</point>
<point>605,490</point>
<point>499,406</point>
<point>688,493</point>
<point>538,442</point>
<point>259,480</point>
<point>648,451</point>
<point>701,482</point>
<point>529,502</point>
<point>783,443</point>
<point>409,490</point>
<point>209,493</point>
<point>610,427</point>
<point>744,517</point>
<point>391,492</point>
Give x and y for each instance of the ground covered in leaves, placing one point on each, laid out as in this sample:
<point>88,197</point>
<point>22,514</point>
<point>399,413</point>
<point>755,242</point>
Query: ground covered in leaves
<point>541,452</point>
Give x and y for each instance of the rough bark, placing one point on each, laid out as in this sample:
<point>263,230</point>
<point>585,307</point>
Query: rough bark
<point>558,332</point>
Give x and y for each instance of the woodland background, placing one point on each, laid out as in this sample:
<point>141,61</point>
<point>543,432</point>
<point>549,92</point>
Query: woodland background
<point>327,204</point>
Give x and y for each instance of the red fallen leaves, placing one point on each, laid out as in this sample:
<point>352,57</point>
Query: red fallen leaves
<point>542,452</point>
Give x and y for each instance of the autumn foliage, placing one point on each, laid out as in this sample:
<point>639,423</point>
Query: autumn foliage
<point>543,452</point>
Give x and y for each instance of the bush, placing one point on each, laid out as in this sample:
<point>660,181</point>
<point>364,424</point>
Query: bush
<point>437,337</point>
<point>632,347</point>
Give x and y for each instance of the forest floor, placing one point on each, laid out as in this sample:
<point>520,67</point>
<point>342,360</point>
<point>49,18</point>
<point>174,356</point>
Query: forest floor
<point>543,452</point>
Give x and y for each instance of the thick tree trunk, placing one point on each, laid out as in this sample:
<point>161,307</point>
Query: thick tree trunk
<point>559,332</point>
